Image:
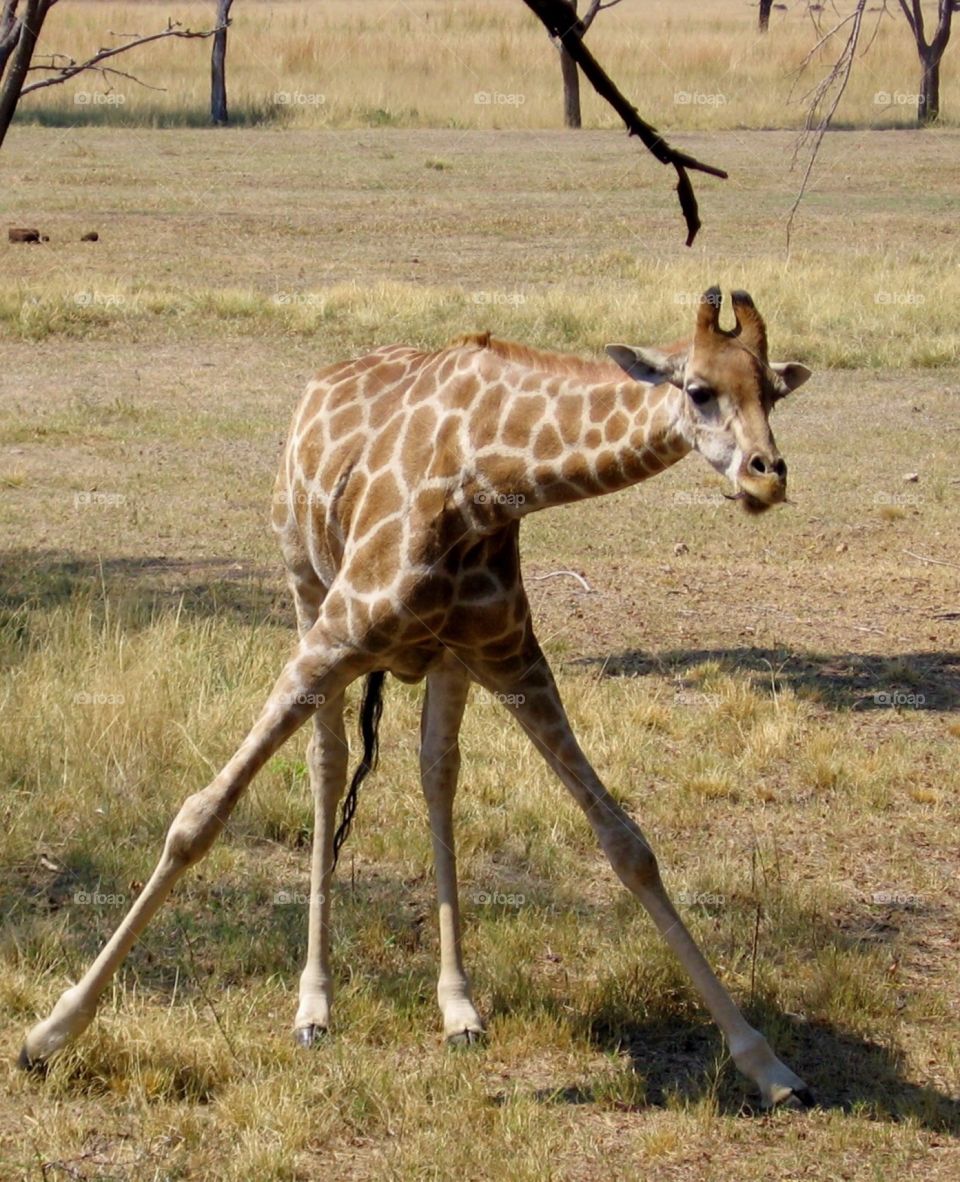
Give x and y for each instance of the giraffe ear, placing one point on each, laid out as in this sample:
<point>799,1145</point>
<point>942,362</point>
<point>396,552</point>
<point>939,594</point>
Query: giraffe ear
<point>790,376</point>
<point>648,365</point>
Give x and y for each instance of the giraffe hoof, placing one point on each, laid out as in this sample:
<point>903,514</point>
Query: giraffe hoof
<point>800,1098</point>
<point>309,1036</point>
<point>467,1038</point>
<point>26,1063</point>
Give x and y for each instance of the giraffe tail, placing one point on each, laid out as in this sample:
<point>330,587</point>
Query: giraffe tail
<point>371,707</point>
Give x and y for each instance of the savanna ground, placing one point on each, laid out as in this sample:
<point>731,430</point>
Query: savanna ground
<point>775,699</point>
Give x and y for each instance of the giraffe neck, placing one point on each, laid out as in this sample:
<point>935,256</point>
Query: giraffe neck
<point>578,440</point>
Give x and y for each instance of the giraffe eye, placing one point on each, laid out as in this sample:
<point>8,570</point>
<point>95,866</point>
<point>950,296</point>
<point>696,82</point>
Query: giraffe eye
<point>700,395</point>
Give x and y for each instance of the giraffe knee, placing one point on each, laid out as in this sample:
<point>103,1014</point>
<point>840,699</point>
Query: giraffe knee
<point>633,860</point>
<point>193,831</point>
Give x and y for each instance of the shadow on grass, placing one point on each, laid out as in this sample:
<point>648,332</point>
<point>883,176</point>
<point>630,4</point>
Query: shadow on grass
<point>216,935</point>
<point>101,113</point>
<point>678,1060</point>
<point>843,681</point>
<point>138,589</point>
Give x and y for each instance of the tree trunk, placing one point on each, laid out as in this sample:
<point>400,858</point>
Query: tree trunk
<point>571,90</point>
<point>31,23</point>
<point>571,83</point>
<point>218,59</point>
<point>764,23</point>
<point>928,104</point>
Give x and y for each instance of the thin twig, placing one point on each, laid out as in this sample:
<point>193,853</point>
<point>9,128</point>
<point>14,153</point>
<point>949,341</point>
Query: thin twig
<point>206,998</point>
<point>753,954</point>
<point>817,126</point>
<point>936,561</point>
<point>571,574</point>
<point>104,70</point>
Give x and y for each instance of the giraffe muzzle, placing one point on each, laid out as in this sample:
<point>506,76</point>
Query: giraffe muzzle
<point>762,482</point>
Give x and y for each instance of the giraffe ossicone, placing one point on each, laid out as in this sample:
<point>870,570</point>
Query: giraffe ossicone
<point>397,507</point>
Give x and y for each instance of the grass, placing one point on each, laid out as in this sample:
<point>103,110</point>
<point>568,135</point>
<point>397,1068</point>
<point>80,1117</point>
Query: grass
<point>114,712</point>
<point>775,700</point>
<point>598,258</point>
<point>686,66</point>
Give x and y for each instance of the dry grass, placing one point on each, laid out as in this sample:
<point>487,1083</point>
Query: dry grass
<point>754,698</point>
<point>574,240</point>
<point>487,64</point>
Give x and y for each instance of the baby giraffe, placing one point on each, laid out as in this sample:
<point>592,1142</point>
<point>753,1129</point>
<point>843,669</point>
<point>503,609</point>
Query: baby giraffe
<point>398,506</point>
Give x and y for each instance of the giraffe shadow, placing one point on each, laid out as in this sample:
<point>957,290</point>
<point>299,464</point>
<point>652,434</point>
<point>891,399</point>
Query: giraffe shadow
<point>680,1060</point>
<point>197,948</point>
<point>841,681</point>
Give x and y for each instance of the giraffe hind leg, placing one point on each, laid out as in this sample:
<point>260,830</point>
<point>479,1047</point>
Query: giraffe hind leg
<point>531,695</point>
<point>327,762</point>
<point>443,706</point>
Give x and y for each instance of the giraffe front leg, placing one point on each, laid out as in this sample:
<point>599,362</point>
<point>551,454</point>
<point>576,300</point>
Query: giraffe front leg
<point>446,696</point>
<point>320,670</point>
<point>531,694</point>
<point>327,761</point>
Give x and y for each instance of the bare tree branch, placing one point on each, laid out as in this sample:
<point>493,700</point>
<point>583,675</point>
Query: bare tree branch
<point>65,73</point>
<point>104,70</point>
<point>563,24</point>
<point>826,97</point>
<point>591,14</point>
<point>910,18</point>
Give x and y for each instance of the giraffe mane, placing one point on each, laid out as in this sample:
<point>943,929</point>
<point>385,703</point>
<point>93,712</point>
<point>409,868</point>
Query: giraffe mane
<point>540,360</point>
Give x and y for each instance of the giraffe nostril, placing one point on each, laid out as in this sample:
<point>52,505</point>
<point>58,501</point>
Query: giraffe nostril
<point>759,466</point>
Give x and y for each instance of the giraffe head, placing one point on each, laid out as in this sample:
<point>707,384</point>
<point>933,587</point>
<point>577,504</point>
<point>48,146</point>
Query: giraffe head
<point>729,388</point>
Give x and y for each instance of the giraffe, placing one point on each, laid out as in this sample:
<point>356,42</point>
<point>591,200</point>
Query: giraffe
<point>397,507</point>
